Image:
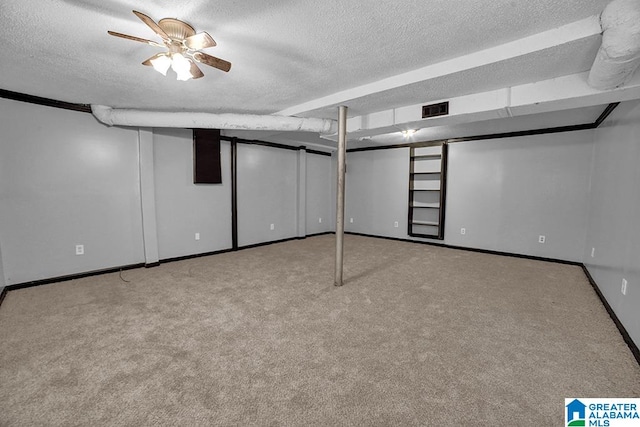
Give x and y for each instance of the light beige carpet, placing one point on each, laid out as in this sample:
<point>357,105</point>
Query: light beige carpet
<point>418,335</point>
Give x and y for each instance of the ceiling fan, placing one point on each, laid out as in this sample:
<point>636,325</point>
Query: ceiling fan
<point>183,46</point>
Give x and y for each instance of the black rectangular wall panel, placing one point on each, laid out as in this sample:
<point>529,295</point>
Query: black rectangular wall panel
<point>206,156</point>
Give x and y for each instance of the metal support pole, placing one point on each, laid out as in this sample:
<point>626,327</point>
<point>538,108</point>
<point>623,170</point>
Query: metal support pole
<point>342,152</point>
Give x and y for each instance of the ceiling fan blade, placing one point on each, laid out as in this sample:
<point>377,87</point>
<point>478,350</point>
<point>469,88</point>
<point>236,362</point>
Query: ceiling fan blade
<point>157,55</point>
<point>195,71</point>
<point>199,41</point>
<point>212,61</point>
<point>135,39</point>
<point>152,24</point>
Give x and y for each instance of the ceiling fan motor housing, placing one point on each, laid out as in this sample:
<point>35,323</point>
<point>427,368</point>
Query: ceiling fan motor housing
<point>176,30</point>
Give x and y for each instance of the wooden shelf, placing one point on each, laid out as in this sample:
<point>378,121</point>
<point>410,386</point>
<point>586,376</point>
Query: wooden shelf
<point>432,223</point>
<point>427,156</point>
<point>426,173</point>
<point>425,207</point>
<point>425,236</point>
<point>419,189</point>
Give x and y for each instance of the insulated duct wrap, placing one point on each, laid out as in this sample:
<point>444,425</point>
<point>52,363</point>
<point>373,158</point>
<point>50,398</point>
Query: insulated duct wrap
<point>619,54</point>
<point>160,119</point>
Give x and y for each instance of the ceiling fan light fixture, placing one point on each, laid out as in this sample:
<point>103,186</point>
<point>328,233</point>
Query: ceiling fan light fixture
<point>161,64</point>
<point>182,66</point>
<point>183,46</point>
<point>184,76</point>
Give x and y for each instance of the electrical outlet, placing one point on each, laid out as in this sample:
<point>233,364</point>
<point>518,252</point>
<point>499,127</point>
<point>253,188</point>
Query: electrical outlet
<point>463,230</point>
<point>395,224</point>
<point>79,249</point>
<point>624,287</point>
<point>320,220</point>
<point>593,252</point>
<point>541,239</point>
<point>351,220</point>
<point>197,236</point>
<point>273,227</point>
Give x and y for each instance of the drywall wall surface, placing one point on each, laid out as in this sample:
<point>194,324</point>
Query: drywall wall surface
<point>2,279</point>
<point>65,180</point>
<point>318,196</point>
<point>148,196</point>
<point>267,194</point>
<point>334,189</point>
<point>301,189</point>
<point>507,192</point>
<point>377,192</point>
<point>359,191</point>
<point>504,192</point>
<point>613,231</point>
<point>184,208</point>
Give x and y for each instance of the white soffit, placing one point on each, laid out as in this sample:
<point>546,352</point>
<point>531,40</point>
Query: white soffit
<point>578,116</point>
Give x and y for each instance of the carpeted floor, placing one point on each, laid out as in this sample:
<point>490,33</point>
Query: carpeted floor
<point>419,335</point>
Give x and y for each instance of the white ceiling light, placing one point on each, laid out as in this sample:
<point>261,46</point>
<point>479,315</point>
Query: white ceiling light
<point>161,64</point>
<point>408,133</point>
<point>182,66</point>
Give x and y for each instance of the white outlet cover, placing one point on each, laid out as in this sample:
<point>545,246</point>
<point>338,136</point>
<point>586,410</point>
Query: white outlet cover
<point>593,252</point>
<point>273,226</point>
<point>197,236</point>
<point>320,220</point>
<point>79,249</point>
<point>463,231</point>
<point>351,220</point>
<point>541,239</point>
<point>395,224</point>
<point>624,287</point>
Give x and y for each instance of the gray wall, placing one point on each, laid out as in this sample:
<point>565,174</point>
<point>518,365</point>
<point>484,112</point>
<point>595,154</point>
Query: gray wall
<point>184,208</point>
<point>127,194</point>
<point>504,192</point>
<point>377,192</point>
<point>267,194</point>
<point>318,194</point>
<point>507,192</point>
<point>2,279</point>
<point>65,179</point>
<point>614,210</point>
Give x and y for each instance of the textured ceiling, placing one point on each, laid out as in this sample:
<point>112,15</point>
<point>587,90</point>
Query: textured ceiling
<point>283,52</point>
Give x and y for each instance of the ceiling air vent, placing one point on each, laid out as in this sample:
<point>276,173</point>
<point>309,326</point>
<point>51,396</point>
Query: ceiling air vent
<point>433,110</point>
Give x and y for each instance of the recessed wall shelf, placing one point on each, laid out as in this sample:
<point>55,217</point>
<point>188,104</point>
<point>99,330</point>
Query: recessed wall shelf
<point>427,176</point>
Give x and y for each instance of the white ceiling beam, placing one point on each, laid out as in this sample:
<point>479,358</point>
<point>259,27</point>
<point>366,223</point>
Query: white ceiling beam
<point>565,34</point>
<point>568,92</point>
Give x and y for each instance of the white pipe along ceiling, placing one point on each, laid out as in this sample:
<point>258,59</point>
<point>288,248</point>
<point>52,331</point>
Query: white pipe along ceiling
<point>619,54</point>
<point>162,119</point>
